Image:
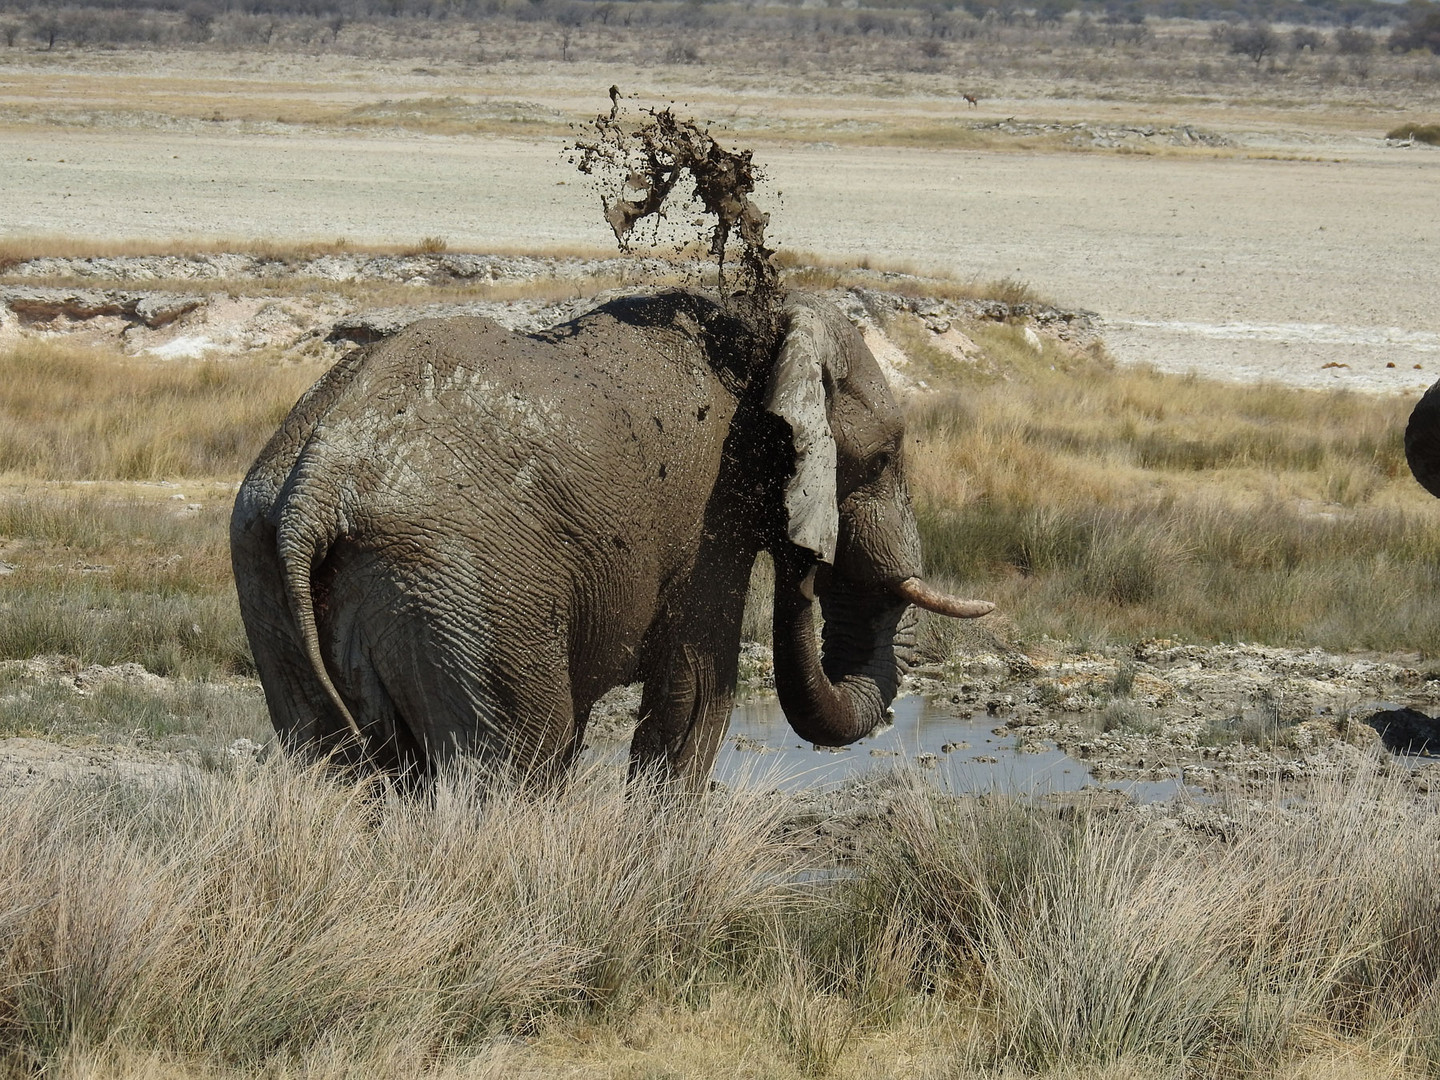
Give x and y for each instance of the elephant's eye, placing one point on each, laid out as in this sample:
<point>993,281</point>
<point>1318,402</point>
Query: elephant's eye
<point>878,464</point>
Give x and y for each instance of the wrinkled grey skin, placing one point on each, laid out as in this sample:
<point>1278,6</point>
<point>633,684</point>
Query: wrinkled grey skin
<point>461,537</point>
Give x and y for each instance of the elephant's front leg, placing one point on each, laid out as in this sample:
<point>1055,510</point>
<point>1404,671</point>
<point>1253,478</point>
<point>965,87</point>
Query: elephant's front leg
<point>690,669</point>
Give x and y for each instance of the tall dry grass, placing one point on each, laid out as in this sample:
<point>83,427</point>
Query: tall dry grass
<point>1088,939</point>
<point>97,571</point>
<point>275,919</point>
<point>1093,501</point>
<point>273,922</point>
<point>76,413</point>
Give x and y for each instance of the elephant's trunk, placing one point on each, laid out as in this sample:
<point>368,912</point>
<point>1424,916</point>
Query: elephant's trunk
<point>836,695</point>
<point>841,697</point>
<point>1422,441</point>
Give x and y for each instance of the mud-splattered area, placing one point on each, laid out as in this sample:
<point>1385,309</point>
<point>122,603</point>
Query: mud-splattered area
<point>1228,724</point>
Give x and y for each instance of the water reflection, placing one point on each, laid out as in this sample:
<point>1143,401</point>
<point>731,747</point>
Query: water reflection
<point>964,755</point>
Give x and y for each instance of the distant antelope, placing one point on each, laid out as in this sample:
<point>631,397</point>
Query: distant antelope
<point>972,99</point>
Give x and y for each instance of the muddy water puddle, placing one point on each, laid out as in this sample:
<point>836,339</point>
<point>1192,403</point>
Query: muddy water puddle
<point>961,754</point>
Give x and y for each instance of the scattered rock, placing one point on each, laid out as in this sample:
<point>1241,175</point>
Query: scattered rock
<point>175,325</point>
<point>38,304</point>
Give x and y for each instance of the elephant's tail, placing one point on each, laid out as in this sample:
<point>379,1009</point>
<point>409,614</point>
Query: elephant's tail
<point>307,530</point>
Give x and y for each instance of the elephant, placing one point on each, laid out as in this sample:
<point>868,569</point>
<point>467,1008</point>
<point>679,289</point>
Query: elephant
<point>462,536</point>
<point>1422,440</point>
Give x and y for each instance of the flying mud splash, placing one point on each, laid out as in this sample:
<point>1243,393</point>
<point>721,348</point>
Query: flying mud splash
<point>639,165</point>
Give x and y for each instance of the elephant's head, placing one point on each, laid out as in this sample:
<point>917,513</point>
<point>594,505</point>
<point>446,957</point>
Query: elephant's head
<point>850,535</point>
<point>1422,441</point>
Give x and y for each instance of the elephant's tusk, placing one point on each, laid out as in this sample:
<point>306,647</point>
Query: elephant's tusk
<point>918,593</point>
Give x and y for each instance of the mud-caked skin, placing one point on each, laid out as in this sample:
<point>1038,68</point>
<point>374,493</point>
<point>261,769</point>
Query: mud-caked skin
<point>461,537</point>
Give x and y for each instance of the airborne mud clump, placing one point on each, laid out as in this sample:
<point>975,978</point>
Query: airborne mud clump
<point>638,166</point>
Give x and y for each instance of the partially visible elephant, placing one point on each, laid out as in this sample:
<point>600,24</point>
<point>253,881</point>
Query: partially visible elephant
<point>462,537</point>
<point>1422,440</point>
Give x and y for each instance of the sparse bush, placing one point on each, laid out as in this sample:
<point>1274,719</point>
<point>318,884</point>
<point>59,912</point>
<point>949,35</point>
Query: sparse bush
<point>1305,39</point>
<point>1352,42</point>
<point>1425,133</point>
<point>199,18</point>
<point>682,52</point>
<point>1422,31</point>
<point>1122,715</point>
<point>1256,40</point>
<point>47,29</point>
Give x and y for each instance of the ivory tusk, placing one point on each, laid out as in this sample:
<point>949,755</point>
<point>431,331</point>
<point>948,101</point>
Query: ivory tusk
<point>921,595</point>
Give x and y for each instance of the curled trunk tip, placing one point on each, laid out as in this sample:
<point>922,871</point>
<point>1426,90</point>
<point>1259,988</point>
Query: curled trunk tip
<point>914,591</point>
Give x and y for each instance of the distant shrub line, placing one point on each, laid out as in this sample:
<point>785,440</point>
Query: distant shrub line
<point>316,22</point>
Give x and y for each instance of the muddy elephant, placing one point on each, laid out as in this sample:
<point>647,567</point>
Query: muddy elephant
<point>1422,440</point>
<point>461,536</point>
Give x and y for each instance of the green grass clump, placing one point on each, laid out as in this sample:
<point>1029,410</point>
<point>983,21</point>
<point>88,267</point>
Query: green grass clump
<point>117,580</point>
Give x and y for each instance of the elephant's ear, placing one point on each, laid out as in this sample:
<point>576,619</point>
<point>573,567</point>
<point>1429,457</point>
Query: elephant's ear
<point>811,360</point>
<point>1422,440</point>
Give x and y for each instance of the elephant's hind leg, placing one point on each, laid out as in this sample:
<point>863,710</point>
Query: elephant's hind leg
<point>430,678</point>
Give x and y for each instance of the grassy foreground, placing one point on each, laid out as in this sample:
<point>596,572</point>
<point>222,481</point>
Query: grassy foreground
<point>272,923</point>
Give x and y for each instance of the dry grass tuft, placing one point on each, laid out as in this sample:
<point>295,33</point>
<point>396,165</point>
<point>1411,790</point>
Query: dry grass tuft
<point>1088,940</point>
<point>76,413</point>
<point>270,918</point>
